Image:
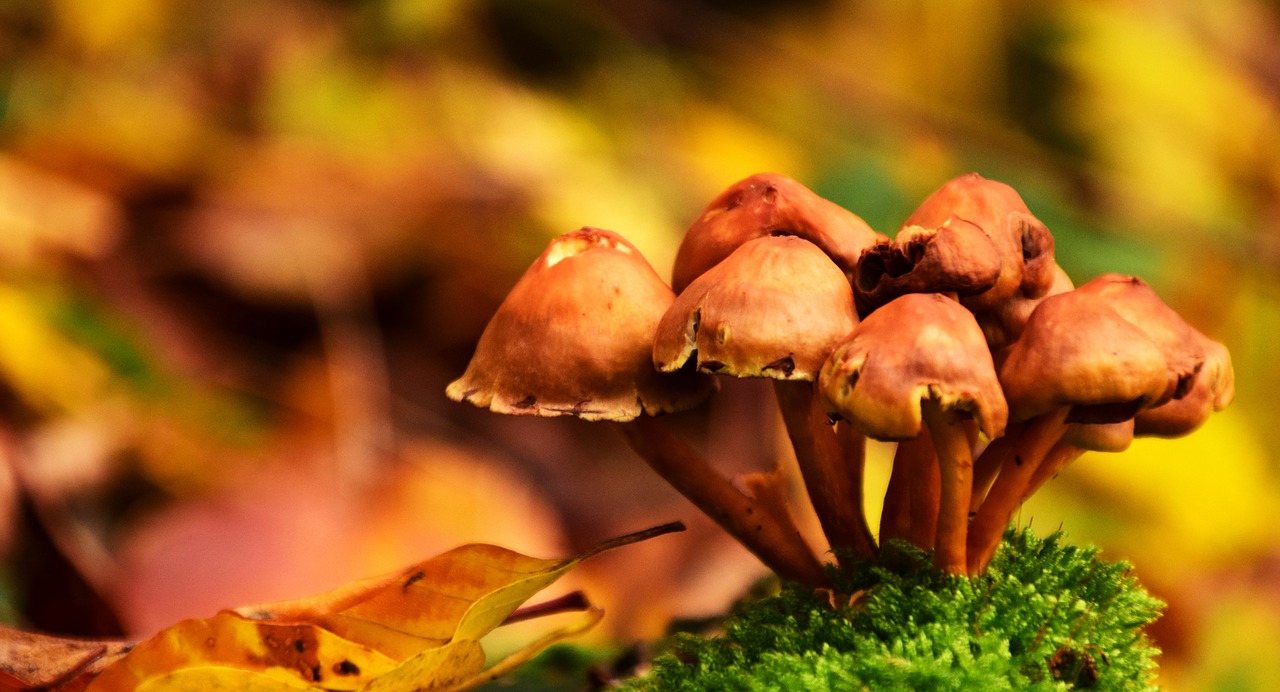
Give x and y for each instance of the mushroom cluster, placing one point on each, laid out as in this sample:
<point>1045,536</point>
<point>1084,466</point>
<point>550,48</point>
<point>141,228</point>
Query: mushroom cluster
<point>960,339</point>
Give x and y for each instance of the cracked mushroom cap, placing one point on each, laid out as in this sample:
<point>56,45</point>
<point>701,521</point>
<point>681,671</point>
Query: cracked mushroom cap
<point>956,257</point>
<point>1025,244</point>
<point>574,337</point>
<point>769,204</point>
<point>1077,352</point>
<point>773,308</point>
<point>1213,389</point>
<point>1137,302</point>
<point>916,347</point>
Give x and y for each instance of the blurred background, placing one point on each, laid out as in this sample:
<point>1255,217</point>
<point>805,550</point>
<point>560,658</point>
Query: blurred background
<point>245,246</point>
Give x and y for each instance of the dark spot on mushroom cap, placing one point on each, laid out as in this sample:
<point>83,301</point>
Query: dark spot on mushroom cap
<point>786,365</point>
<point>527,402</point>
<point>852,380</point>
<point>345,667</point>
<point>1032,243</point>
<point>299,645</point>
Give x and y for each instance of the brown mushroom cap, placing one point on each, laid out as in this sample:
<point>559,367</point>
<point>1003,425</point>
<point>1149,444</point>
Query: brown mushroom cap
<point>773,308</point>
<point>956,257</point>
<point>1137,302</point>
<point>769,204</point>
<point>574,337</point>
<point>1213,389</point>
<point>1075,351</point>
<point>918,346</point>
<point>1025,244</point>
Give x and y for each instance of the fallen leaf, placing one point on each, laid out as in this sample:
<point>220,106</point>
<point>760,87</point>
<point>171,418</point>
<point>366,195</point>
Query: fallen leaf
<point>418,628</point>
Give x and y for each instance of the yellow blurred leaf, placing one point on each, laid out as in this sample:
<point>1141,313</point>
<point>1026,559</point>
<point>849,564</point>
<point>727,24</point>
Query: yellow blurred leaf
<point>46,369</point>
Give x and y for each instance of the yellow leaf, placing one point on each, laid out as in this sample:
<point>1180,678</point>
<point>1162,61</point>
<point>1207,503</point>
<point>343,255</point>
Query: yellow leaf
<point>297,654</point>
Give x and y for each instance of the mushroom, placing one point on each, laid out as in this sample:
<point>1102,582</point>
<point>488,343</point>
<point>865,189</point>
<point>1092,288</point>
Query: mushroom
<point>1212,390</point>
<point>571,338</point>
<point>574,337</point>
<point>774,308</point>
<point>769,204</point>
<point>1024,243</point>
<point>957,257</point>
<point>1077,361</point>
<point>921,359</point>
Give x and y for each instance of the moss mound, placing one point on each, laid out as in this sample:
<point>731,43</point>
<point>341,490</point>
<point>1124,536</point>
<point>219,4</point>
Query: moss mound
<point>1045,616</point>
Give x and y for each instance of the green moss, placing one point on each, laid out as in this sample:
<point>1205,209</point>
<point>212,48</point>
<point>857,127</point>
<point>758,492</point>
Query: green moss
<point>1045,616</point>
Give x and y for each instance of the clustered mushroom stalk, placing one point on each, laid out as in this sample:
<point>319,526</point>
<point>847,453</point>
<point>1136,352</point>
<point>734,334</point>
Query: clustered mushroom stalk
<point>960,339</point>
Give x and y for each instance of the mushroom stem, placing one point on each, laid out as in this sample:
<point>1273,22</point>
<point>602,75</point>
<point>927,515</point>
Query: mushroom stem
<point>831,465</point>
<point>1061,455</point>
<point>925,481</point>
<point>895,517</point>
<point>770,536</point>
<point>1030,445</point>
<point>987,466</point>
<point>911,500</point>
<point>951,441</point>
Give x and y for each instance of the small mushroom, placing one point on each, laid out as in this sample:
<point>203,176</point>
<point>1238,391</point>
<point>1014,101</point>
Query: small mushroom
<point>1024,243</point>
<point>956,257</point>
<point>774,308</point>
<point>574,337</point>
<point>767,204</point>
<point>1077,361</point>
<point>920,362</point>
<point>1211,391</point>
